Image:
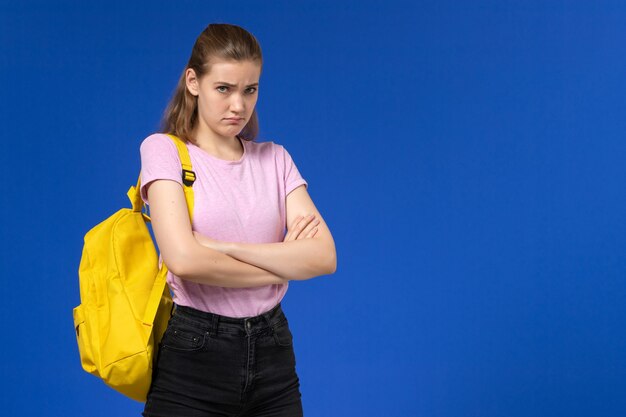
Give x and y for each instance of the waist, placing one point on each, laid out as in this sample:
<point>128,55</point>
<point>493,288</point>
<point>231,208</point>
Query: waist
<point>232,302</point>
<point>214,323</point>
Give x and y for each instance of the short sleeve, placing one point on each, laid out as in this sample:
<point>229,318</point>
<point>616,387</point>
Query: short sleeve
<point>292,176</point>
<point>159,160</point>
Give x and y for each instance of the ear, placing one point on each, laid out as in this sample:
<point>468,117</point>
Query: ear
<point>192,82</point>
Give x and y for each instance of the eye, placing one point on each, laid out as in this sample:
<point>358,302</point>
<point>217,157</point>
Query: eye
<point>251,90</point>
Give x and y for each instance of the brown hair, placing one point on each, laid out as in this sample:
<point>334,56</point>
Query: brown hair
<point>218,41</point>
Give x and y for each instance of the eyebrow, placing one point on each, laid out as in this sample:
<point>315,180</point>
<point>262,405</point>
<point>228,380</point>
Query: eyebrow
<point>234,85</point>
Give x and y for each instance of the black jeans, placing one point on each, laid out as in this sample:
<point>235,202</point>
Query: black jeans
<point>213,365</point>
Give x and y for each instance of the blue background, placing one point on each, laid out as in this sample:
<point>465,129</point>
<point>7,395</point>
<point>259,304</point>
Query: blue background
<point>469,158</point>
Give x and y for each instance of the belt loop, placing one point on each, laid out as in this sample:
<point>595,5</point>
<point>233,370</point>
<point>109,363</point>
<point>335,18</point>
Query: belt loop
<point>214,325</point>
<point>267,318</point>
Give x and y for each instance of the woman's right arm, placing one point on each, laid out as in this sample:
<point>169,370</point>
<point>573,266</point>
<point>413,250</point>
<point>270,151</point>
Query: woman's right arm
<point>184,255</point>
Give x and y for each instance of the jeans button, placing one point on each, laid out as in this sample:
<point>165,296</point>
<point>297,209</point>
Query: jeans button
<point>248,324</point>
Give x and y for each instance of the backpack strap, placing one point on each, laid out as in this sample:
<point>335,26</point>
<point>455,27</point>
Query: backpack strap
<point>158,290</point>
<point>135,197</point>
<point>188,176</point>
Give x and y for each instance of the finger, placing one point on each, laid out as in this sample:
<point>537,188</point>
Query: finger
<point>289,235</point>
<point>290,230</point>
<point>305,234</point>
<point>301,225</point>
<point>312,233</point>
<point>311,225</point>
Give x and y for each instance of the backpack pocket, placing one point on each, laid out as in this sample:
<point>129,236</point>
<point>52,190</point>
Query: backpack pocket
<point>83,339</point>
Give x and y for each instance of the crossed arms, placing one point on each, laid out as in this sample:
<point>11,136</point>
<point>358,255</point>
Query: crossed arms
<point>307,251</point>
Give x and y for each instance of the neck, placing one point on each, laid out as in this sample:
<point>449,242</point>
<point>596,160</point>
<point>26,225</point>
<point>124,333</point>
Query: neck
<point>222,147</point>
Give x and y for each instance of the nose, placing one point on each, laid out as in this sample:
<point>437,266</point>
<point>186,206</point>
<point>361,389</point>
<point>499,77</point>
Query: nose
<point>237,104</point>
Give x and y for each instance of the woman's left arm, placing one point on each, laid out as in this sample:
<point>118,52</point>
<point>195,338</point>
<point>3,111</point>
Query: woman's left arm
<point>293,260</point>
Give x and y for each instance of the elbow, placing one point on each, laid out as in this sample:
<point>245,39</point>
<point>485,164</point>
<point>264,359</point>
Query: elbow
<point>330,270</point>
<point>331,263</point>
<point>190,264</point>
<point>175,265</point>
<point>322,265</point>
<point>179,263</point>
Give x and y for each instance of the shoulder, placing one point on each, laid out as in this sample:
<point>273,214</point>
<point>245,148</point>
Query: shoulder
<point>277,153</point>
<point>157,141</point>
<point>264,150</point>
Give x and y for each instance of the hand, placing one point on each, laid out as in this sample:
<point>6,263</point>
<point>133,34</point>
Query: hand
<point>303,227</point>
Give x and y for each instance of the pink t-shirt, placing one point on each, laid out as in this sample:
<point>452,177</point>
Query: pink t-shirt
<point>235,201</point>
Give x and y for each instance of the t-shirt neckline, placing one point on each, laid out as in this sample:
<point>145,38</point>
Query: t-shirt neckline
<point>223,161</point>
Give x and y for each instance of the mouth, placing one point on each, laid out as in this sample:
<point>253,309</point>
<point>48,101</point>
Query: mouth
<point>235,119</point>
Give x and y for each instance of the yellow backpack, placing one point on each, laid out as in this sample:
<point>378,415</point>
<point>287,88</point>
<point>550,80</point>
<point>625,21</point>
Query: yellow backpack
<point>125,301</point>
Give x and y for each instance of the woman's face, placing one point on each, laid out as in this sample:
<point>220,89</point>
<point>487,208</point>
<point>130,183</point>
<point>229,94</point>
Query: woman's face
<point>229,90</point>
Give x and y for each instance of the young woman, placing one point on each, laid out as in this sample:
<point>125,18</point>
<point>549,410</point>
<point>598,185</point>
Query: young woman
<point>228,349</point>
